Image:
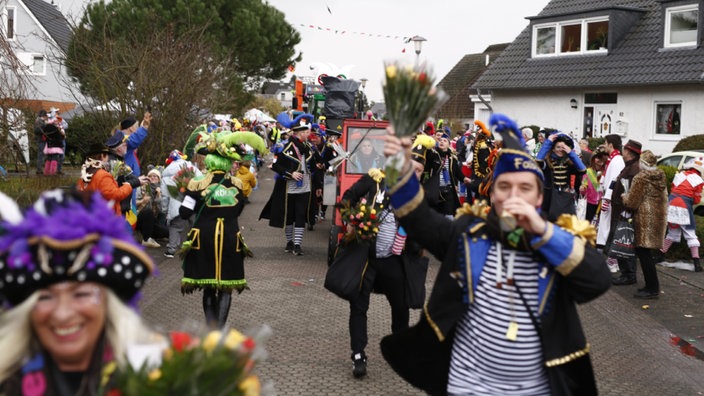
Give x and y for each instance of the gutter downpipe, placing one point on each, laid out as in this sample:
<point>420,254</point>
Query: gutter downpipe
<point>479,95</point>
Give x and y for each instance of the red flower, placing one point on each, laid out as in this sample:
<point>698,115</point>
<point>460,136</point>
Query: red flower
<point>180,340</point>
<point>114,392</point>
<point>423,78</point>
<point>372,216</point>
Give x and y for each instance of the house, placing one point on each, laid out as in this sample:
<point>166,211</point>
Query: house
<point>458,81</point>
<point>631,67</point>
<point>39,35</point>
<point>281,91</point>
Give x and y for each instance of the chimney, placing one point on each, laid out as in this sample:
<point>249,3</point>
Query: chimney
<point>486,61</point>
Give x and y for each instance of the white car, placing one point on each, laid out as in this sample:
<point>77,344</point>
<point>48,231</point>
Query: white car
<point>677,160</point>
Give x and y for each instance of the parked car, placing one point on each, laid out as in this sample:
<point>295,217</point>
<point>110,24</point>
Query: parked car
<point>677,160</point>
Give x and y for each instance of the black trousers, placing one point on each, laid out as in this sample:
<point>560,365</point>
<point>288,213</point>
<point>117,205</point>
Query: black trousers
<point>627,267</point>
<point>149,226</point>
<point>646,257</point>
<point>386,276</point>
<point>297,209</point>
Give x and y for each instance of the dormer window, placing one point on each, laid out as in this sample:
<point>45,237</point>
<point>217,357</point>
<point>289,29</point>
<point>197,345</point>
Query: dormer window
<point>681,24</point>
<point>571,37</point>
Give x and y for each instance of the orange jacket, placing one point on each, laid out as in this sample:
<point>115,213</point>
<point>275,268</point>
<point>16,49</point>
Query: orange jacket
<point>103,182</point>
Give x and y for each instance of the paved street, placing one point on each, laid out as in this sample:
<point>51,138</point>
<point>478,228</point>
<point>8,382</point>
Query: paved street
<point>309,351</point>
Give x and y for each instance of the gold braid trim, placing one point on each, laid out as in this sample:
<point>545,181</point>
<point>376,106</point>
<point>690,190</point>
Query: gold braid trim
<point>478,209</point>
<point>572,261</point>
<point>200,184</point>
<point>582,229</point>
<point>410,205</point>
<point>566,359</point>
<point>433,325</point>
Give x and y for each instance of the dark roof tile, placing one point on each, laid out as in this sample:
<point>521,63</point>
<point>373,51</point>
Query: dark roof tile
<point>52,20</point>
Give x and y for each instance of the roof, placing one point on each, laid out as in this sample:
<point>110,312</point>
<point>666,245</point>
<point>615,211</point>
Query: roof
<point>52,20</point>
<point>636,58</point>
<point>457,82</point>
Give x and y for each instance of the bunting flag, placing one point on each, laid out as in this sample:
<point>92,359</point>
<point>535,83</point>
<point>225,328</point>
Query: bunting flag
<point>406,39</point>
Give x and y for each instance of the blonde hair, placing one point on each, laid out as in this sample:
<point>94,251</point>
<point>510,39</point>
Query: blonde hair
<point>18,342</point>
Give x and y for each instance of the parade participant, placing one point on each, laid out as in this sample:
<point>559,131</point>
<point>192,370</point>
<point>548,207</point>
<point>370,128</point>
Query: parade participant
<point>387,271</point>
<point>40,139</point>
<point>214,251</point>
<point>481,149</point>
<point>590,187</point>
<point>614,166</point>
<point>539,144</point>
<point>175,163</point>
<point>94,177</point>
<point>502,315</point>
<point>289,202</point>
<point>685,193</point>
<point>249,180</point>
<point>322,153</point>
<point>450,175</point>
<point>76,273</point>
<point>560,163</point>
<point>54,138</point>
<point>647,198</point>
<point>631,156</point>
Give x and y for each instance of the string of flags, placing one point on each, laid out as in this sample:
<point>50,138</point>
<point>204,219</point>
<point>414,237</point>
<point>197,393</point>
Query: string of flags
<point>338,31</point>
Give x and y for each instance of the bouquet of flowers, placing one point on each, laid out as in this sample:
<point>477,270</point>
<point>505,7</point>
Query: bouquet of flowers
<point>220,363</point>
<point>118,168</point>
<point>362,218</point>
<point>410,98</point>
<point>181,180</point>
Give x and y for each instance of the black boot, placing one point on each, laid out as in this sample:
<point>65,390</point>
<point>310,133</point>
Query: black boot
<point>210,307</point>
<point>359,365</point>
<point>224,300</point>
<point>697,265</point>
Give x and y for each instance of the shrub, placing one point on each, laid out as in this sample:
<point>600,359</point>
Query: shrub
<point>85,130</point>
<point>594,142</point>
<point>670,172</point>
<point>695,142</point>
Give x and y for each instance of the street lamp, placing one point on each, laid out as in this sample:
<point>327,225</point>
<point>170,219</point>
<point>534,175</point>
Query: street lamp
<point>418,45</point>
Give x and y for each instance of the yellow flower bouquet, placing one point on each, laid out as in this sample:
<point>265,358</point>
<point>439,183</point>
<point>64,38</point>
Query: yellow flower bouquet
<point>410,98</point>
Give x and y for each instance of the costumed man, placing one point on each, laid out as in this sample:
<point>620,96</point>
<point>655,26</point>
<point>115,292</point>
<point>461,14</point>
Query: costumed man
<point>393,265</point>
<point>135,135</point>
<point>450,175</point>
<point>614,166</point>
<point>481,149</point>
<point>321,155</point>
<point>560,163</point>
<point>631,156</point>
<point>214,249</point>
<point>685,193</point>
<point>502,316</point>
<point>290,199</point>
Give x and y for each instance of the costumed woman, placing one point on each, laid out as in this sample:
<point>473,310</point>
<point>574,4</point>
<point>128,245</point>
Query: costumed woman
<point>214,248</point>
<point>71,273</point>
<point>289,202</point>
<point>559,162</point>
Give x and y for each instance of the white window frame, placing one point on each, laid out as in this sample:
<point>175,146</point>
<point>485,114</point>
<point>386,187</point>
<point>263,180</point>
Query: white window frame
<point>558,37</point>
<point>666,136</point>
<point>29,59</point>
<point>4,22</point>
<point>668,21</point>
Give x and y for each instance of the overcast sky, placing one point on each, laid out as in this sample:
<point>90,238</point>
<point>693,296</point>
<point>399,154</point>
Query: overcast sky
<point>453,29</point>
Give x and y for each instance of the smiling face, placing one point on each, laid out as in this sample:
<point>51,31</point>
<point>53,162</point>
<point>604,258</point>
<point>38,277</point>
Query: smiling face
<point>366,147</point>
<point>68,319</point>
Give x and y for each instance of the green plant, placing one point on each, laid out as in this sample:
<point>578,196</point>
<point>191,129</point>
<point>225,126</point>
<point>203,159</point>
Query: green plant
<point>27,190</point>
<point>595,142</point>
<point>680,251</point>
<point>670,172</point>
<point>695,142</point>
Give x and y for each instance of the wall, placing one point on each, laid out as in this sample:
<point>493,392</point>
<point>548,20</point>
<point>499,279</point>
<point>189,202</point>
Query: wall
<point>636,107</point>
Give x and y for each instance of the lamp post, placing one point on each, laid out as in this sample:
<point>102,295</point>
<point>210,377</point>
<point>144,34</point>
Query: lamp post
<point>418,45</point>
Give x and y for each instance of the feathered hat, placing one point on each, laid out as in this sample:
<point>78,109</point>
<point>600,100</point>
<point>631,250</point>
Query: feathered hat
<point>301,122</point>
<point>68,236</point>
<point>175,155</point>
<point>513,157</point>
<point>229,145</point>
<point>483,130</point>
<point>421,145</point>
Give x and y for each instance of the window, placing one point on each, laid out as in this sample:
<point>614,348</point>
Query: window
<point>283,96</point>
<point>667,118</point>
<point>571,37</point>
<point>34,63</point>
<point>681,25</point>
<point>9,23</point>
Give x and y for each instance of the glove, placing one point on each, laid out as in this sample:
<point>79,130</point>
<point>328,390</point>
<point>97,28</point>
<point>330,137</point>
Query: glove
<point>605,205</point>
<point>133,181</point>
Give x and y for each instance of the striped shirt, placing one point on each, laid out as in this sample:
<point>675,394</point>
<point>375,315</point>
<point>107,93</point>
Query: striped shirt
<point>386,234</point>
<point>484,361</point>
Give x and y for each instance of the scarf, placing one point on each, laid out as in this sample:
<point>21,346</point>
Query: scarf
<point>89,168</point>
<point>611,156</point>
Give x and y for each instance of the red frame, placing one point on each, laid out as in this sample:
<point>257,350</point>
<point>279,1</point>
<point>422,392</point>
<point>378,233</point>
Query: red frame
<point>345,179</point>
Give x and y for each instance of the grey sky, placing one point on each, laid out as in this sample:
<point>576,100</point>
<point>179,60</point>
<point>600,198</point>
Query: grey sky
<point>453,29</point>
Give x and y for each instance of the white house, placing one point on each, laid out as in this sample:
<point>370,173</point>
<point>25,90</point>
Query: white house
<point>631,67</point>
<point>39,34</point>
